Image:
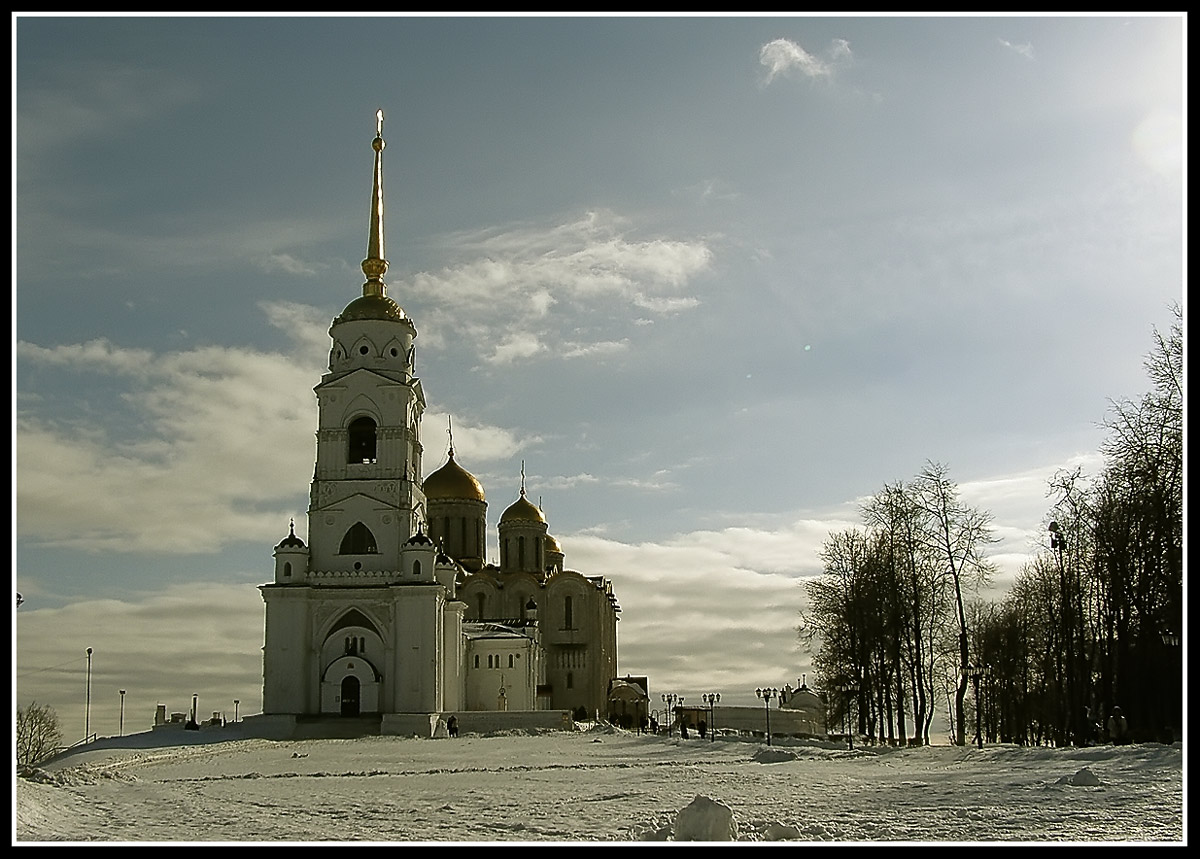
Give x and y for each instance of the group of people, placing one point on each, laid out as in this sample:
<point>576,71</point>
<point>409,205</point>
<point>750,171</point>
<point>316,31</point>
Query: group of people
<point>1118,728</point>
<point>1115,730</point>
<point>652,727</point>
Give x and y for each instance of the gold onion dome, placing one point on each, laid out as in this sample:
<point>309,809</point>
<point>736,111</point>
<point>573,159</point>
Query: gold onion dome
<point>452,481</point>
<point>523,510</point>
<point>372,307</point>
<point>552,544</point>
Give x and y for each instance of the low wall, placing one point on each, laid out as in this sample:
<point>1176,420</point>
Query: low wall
<point>490,721</point>
<point>281,727</point>
<point>424,725</point>
<point>754,720</point>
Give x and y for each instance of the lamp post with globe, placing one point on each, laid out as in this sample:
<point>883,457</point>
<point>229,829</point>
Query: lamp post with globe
<point>710,699</point>
<point>669,699</point>
<point>766,695</point>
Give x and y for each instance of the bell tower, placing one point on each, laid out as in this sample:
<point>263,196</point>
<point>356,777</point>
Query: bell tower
<point>366,500</point>
<point>358,622</point>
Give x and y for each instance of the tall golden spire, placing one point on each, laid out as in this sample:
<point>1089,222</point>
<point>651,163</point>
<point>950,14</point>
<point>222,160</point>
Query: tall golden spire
<point>375,266</point>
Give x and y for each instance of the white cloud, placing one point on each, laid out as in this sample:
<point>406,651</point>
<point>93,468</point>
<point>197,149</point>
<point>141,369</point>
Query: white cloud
<point>521,287</point>
<point>473,443</point>
<point>593,350</point>
<point>307,326</point>
<point>204,449</point>
<point>516,346</point>
<point>782,57</point>
<point>1025,49</point>
<point>98,355</point>
<point>291,265</point>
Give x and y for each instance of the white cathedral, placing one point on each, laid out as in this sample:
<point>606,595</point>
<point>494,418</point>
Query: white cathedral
<point>392,610</point>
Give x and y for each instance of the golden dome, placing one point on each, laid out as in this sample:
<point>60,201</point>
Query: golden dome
<point>552,545</point>
<point>523,510</point>
<point>452,481</point>
<point>372,307</point>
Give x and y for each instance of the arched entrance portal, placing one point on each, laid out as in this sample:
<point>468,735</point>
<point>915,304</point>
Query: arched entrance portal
<point>350,696</point>
<point>350,687</point>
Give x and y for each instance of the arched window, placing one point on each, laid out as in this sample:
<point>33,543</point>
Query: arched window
<point>416,568</point>
<point>359,541</point>
<point>520,553</point>
<point>361,446</point>
<point>570,680</point>
<point>287,570</point>
<point>479,600</point>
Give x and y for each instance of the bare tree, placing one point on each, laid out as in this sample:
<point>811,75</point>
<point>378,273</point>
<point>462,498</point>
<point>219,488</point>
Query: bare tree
<point>914,602</point>
<point>38,734</point>
<point>1139,542</point>
<point>956,535</point>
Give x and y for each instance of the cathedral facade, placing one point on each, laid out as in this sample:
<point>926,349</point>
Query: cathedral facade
<point>391,608</point>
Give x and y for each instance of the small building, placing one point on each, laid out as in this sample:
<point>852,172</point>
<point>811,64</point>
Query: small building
<point>629,702</point>
<point>506,666</point>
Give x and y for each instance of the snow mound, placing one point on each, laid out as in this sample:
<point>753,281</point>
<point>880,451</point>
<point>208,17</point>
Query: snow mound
<point>596,727</point>
<point>705,819</point>
<point>72,776</point>
<point>781,832</point>
<point>773,756</point>
<point>1085,778</point>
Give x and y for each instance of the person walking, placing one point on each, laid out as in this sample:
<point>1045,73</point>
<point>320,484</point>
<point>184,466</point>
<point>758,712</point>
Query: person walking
<point>1118,728</point>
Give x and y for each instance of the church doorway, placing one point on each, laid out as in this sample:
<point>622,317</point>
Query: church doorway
<point>350,696</point>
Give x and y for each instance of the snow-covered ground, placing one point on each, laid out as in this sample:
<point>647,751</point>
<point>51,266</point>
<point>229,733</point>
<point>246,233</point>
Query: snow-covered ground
<point>598,784</point>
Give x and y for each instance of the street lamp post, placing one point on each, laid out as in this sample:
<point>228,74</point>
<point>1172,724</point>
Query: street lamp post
<point>122,722</point>
<point>979,672</point>
<point>1170,641</point>
<point>235,709</point>
<point>87,703</point>
<point>847,690</point>
<point>710,699</point>
<point>767,695</point>
<point>669,699</point>
<point>1074,676</point>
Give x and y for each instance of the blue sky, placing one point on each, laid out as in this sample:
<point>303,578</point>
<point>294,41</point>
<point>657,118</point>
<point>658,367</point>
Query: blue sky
<point>712,279</point>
